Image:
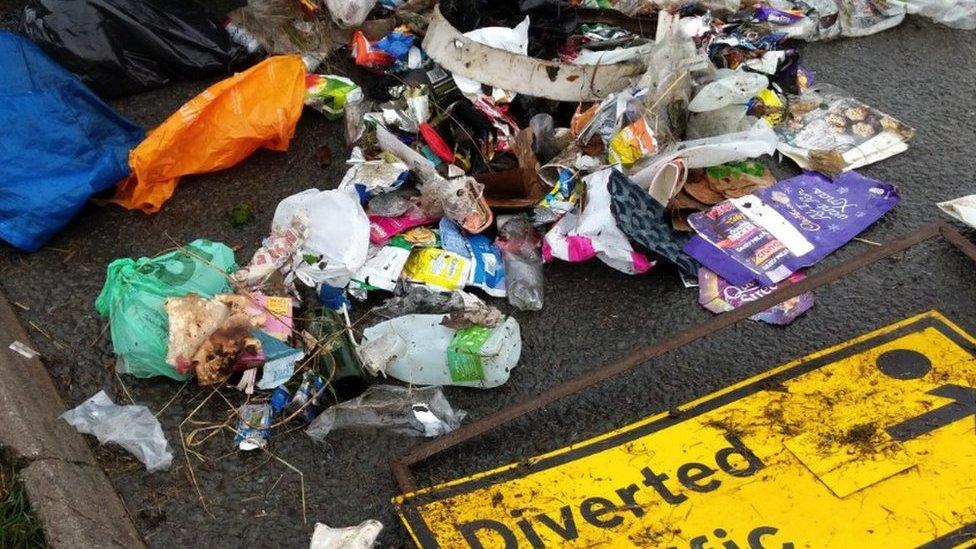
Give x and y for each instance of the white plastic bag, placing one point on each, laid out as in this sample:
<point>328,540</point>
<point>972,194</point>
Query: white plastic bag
<point>338,232</point>
<point>362,536</point>
<point>132,427</point>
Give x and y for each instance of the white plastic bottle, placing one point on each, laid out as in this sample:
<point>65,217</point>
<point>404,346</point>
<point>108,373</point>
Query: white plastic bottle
<point>417,349</point>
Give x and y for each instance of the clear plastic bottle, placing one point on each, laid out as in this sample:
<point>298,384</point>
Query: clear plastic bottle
<point>423,352</point>
<point>519,244</point>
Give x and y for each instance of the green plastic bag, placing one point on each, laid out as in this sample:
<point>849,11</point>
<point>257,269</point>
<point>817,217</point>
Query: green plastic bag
<point>135,292</point>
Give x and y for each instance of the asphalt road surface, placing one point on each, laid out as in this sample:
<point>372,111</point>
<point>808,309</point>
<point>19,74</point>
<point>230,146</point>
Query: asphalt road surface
<point>921,73</point>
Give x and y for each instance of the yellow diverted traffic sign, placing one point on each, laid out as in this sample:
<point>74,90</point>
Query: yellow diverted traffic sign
<point>871,443</point>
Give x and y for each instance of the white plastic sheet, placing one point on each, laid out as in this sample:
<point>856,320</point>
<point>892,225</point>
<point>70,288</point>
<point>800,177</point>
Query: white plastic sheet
<point>132,427</point>
<point>619,55</point>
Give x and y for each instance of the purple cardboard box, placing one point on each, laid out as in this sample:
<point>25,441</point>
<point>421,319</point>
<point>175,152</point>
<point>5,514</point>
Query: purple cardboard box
<point>718,296</point>
<point>767,236</point>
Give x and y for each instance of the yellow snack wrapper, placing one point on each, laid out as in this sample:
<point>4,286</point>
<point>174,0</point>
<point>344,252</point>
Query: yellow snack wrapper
<point>773,104</point>
<point>438,268</point>
<point>631,144</point>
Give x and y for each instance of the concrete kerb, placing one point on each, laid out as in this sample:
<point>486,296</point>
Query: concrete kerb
<point>74,500</point>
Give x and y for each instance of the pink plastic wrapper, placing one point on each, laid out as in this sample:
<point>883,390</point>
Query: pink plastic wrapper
<point>382,229</point>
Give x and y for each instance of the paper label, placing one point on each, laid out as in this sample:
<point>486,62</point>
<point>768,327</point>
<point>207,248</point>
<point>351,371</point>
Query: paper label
<point>774,223</point>
<point>464,354</point>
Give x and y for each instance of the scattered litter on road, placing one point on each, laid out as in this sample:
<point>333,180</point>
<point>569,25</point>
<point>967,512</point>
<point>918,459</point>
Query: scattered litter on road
<point>134,428</point>
<point>485,140</point>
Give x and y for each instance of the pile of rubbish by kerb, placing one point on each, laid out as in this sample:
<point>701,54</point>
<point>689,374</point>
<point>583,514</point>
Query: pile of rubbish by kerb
<point>490,139</point>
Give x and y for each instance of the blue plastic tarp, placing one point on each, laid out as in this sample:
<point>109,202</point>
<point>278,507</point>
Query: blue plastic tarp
<point>59,144</point>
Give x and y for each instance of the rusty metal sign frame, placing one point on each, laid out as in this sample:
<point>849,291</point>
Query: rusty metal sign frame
<point>401,464</point>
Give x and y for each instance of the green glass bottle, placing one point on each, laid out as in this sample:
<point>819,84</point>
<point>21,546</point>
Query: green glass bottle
<point>336,360</point>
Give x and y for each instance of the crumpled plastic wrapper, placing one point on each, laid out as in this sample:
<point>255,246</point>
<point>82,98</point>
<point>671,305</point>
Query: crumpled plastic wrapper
<point>460,199</point>
<point>423,412</point>
<point>421,299</point>
<point>132,427</point>
<point>378,176</point>
<point>390,204</point>
<point>361,536</point>
<point>486,316</point>
<point>962,208</point>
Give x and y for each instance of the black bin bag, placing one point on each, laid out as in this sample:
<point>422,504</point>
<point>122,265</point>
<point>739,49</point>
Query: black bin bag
<point>121,47</point>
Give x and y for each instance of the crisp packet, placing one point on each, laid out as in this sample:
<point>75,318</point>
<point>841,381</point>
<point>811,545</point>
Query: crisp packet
<point>382,229</point>
<point>718,296</point>
<point>328,94</point>
<point>631,143</point>
<point>769,235</point>
<point>438,268</point>
<point>487,268</point>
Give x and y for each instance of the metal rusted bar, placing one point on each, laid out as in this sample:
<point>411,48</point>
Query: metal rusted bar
<point>401,465</point>
<point>958,240</point>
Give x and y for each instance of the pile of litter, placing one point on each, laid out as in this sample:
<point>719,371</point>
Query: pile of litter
<point>487,139</point>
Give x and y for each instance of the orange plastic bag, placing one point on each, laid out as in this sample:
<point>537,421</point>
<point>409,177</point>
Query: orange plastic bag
<point>217,129</point>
